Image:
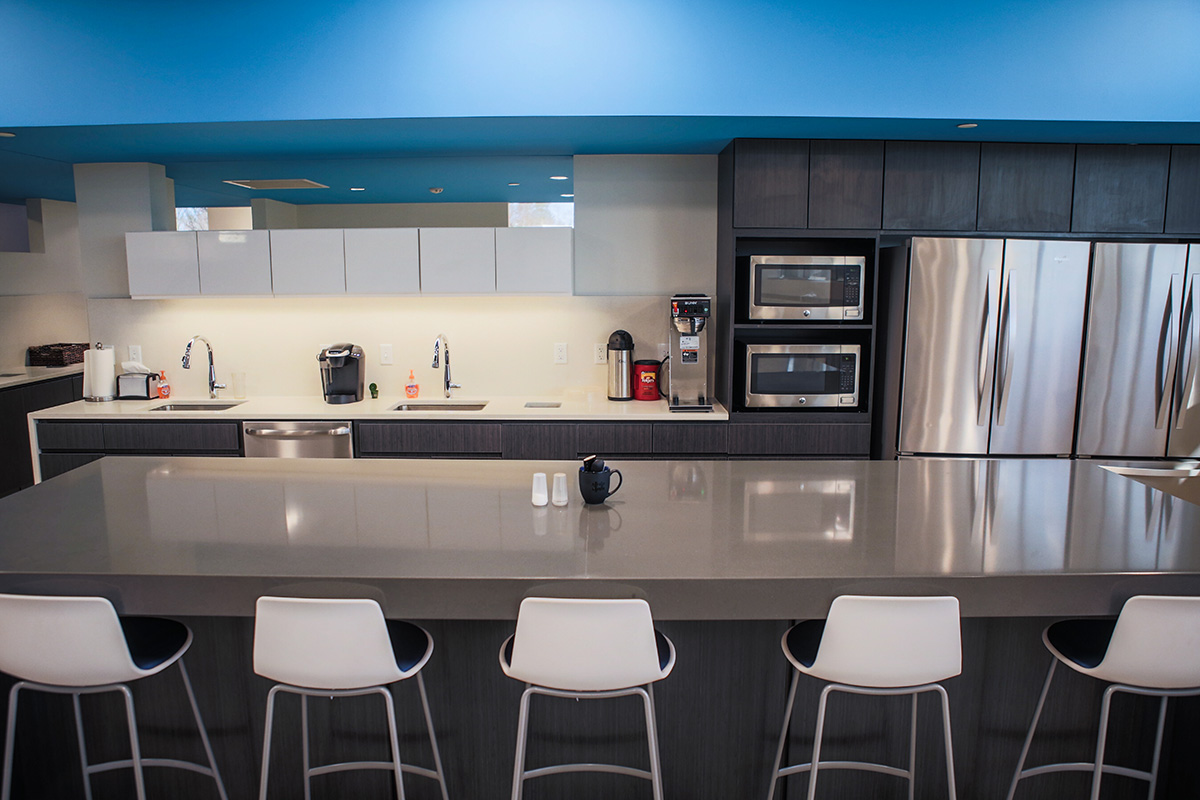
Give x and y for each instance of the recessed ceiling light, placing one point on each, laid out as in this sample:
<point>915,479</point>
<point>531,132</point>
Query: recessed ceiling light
<point>357,189</point>
<point>7,134</point>
<point>435,189</point>
<point>559,177</point>
<point>566,195</point>
<point>514,184</point>
<point>968,125</point>
<point>288,183</point>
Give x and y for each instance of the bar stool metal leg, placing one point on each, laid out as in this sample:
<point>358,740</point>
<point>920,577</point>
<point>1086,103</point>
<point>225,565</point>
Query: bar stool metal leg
<point>816,754</point>
<point>787,720</point>
<point>437,757</point>
<point>397,766</point>
<point>652,740</point>
<point>1158,740</point>
<point>10,731</point>
<point>139,780</point>
<point>87,784</point>
<point>949,742</point>
<point>266,758</point>
<point>208,751</point>
<point>304,759</point>
<point>1037,715</point>
<point>912,751</point>
<point>522,728</point>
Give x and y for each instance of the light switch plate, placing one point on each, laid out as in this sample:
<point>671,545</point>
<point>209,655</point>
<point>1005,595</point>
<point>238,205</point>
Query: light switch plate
<point>560,352</point>
<point>385,355</point>
<point>135,352</point>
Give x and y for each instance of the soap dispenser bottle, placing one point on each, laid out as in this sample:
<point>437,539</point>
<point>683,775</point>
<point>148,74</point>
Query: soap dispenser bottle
<point>164,388</point>
<point>411,388</point>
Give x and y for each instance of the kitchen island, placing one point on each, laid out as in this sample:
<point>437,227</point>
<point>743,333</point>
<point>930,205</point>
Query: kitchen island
<point>725,551</point>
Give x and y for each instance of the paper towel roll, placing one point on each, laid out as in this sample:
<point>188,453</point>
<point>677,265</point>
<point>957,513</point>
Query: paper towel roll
<point>100,374</point>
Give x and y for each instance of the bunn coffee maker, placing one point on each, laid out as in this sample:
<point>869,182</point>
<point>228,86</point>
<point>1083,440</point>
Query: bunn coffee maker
<point>342,373</point>
<point>689,353</point>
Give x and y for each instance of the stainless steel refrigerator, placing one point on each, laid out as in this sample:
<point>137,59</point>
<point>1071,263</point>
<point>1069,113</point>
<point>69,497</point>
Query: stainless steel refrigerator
<point>1139,397</point>
<point>992,346</point>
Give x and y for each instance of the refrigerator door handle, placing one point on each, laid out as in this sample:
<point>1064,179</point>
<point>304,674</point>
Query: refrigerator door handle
<point>1189,340</point>
<point>1006,362</point>
<point>979,500</point>
<point>1164,377</point>
<point>987,355</point>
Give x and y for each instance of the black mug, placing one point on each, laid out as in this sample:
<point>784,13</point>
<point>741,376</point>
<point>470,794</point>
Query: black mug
<point>594,485</point>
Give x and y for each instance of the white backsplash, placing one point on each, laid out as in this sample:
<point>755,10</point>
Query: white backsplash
<point>498,345</point>
<point>30,320</point>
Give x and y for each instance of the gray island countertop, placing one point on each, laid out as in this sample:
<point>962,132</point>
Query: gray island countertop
<point>701,539</point>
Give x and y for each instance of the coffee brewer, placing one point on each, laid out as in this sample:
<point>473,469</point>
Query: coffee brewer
<point>689,353</point>
<point>342,373</point>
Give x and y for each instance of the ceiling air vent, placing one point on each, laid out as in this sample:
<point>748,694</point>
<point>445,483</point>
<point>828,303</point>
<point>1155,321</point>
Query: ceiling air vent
<point>289,183</point>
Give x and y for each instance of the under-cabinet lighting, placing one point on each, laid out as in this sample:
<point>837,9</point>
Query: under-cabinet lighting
<point>7,134</point>
<point>435,190</point>
<point>559,177</point>
<point>357,189</point>
<point>514,184</point>
<point>566,195</point>
<point>968,125</point>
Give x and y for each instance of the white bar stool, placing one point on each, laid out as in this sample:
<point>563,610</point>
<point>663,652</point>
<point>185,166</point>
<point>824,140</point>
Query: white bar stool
<point>586,649</point>
<point>874,646</point>
<point>77,646</point>
<point>317,647</point>
<point>1152,648</point>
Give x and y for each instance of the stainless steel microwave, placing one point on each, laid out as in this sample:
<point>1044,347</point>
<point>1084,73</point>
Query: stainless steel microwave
<point>806,287</point>
<point>802,375</point>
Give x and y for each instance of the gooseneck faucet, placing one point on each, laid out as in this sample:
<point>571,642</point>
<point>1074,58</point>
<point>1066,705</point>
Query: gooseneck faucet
<point>441,349</point>
<point>212,371</point>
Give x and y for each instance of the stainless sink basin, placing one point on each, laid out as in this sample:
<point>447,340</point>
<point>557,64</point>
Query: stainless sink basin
<point>195,406</point>
<point>440,406</point>
<point>543,404</point>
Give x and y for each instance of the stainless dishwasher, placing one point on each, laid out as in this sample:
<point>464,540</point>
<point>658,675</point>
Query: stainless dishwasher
<point>297,439</point>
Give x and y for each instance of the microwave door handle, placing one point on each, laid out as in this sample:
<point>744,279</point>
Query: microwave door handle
<point>987,354</point>
<point>1189,339</point>
<point>1164,378</point>
<point>1006,360</point>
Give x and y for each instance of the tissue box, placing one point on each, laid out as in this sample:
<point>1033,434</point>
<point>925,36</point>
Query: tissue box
<point>137,386</point>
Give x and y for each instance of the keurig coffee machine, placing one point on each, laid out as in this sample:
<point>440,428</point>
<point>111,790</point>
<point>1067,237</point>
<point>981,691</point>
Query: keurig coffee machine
<point>689,353</point>
<point>342,373</point>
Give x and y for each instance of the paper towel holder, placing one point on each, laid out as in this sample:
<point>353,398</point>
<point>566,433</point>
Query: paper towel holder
<point>99,383</point>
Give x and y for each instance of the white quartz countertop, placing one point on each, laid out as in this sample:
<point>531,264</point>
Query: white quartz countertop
<point>19,376</point>
<point>574,406</point>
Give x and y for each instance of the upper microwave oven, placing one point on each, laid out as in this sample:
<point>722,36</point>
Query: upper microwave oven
<point>806,287</point>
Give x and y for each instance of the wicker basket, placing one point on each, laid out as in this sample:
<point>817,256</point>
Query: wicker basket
<point>57,355</point>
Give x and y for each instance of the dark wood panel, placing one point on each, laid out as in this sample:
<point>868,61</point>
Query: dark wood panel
<point>1183,190</point>
<point>48,394</point>
<point>538,440</point>
<point>74,436</point>
<point>16,471</point>
<point>845,184</point>
<point>396,438</point>
<point>698,438</point>
<point>172,437</point>
<point>1120,188</point>
<point>799,439</point>
<point>614,438</point>
<point>57,463</point>
<point>770,183</point>
<point>1025,187</point>
<point>930,186</point>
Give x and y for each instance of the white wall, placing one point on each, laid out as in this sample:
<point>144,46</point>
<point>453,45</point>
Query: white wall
<point>233,218</point>
<point>40,319</point>
<point>645,224</point>
<point>54,266</point>
<point>14,228</point>
<point>274,214</point>
<point>500,345</point>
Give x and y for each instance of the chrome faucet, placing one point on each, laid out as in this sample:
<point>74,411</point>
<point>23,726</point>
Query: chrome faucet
<point>212,371</point>
<point>441,349</point>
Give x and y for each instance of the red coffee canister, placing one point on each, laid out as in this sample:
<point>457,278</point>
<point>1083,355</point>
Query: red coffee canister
<point>645,380</point>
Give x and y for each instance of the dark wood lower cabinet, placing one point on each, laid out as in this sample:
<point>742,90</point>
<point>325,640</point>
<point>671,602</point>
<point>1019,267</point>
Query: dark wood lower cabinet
<point>16,465</point>
<point>429,439</point>
<point>719,716</point>
<point>783,440</point>
<point>540,440</point>
<point>682,438</point>
<point>606,438</point>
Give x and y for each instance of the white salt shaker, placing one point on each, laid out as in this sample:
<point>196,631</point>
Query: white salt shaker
<point>539,489</point>
<point>559,497</point>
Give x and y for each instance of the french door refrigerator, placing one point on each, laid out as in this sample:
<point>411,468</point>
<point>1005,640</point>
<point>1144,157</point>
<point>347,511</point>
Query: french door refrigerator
<point>992,346</point>
<point>1139,396</point>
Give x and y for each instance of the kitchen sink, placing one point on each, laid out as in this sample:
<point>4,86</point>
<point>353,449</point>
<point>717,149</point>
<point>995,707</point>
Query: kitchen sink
<point>195,406</point>
<point>11,374</point>
<point>440,406</point>
<point>542,404</point>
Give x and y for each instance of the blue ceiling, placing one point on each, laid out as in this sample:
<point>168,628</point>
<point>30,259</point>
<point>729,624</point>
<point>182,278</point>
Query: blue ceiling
<point>397,96</point>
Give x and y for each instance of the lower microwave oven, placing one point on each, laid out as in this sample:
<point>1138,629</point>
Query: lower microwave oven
<point>802,375</point>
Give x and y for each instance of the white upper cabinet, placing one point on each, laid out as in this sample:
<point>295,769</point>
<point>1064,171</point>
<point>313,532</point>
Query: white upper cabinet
<point>308,261</point>
<point>234,262</point>
<point>458,260</point>
<point>534,260</point>
<point>382,261</point>
<point>162,264</point>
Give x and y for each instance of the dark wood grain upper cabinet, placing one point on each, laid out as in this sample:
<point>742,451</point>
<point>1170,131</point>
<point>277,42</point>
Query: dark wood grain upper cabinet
<point>770,183</point>
<point>1026,187</point>
<point>1120,188</point>
<point>845,185</point>
<point>930,186</point>
<point>1183,190</point>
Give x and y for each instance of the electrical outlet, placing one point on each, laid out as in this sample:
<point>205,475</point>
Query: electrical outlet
<point>663,351</point>
<point>385,355</point>
<point>600,353</point>
<point>135,352</point>
<point>560,353</point>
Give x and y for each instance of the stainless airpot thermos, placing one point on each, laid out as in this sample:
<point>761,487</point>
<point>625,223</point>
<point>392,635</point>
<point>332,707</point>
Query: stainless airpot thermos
<point>620,366</point>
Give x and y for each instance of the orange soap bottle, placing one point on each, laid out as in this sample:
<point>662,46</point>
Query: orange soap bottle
<point>412,388</point>
<point>164,388</point>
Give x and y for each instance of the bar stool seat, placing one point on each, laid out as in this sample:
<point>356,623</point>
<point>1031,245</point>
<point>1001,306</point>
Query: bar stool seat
<point>586,649</point>
<point>340,647</point>
<point>874,646</point>
<point>1152,648</point>
<point>77,646</point>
